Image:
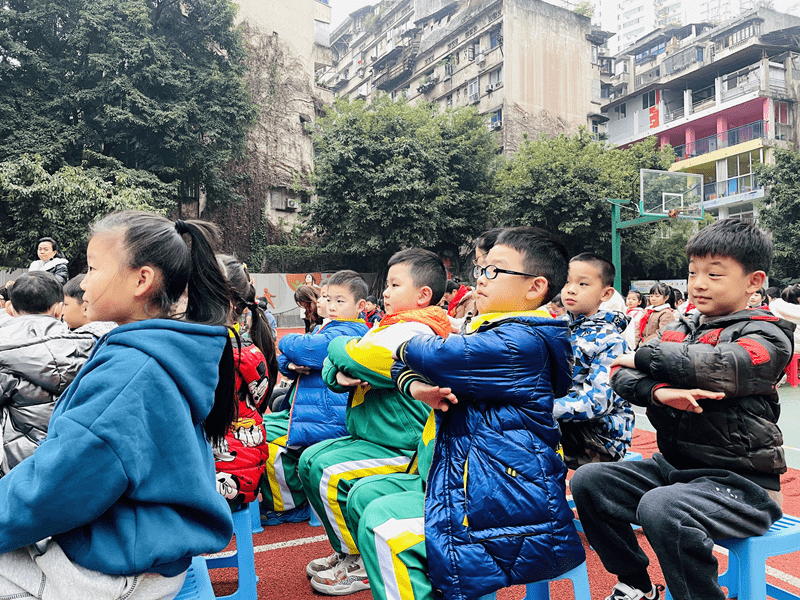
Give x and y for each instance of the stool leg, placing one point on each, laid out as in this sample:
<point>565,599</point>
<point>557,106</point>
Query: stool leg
<point>539,590</point>
<point>730,578</point>
<point>255,517</point>
<point>752,577</point>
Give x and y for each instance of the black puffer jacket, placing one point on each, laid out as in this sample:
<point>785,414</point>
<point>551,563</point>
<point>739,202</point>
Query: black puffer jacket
<point>742,354</point>
<point>39,358</point>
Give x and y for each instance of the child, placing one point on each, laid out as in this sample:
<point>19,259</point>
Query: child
<point>371,313</point>
<point>121,495</point>
<point>316,412</point>
<point>596,424</point>
<point>39,358</point>
<point>488,508</point>
<point>709,389</point>
<point>758,299</point>
<point>555,307</point>
<point>241,456</point>
<point>384,426</point>
<point>633,312</point>
<point>306,297</point>
<point>657,315</point>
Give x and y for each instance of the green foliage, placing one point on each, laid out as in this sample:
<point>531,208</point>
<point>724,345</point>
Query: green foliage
<point>156,84</point>
<point>34,204</point>
<point>390,175</point>
<point>781,215</point>
<point>584,8</point>
<point>561,184</point>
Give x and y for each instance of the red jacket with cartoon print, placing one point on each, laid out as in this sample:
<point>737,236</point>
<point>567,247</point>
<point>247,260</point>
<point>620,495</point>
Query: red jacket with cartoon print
<point>742,354</point>
<point>241,458</point>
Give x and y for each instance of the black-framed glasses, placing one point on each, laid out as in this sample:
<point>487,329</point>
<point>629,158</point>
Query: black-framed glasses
<point>490,271</point>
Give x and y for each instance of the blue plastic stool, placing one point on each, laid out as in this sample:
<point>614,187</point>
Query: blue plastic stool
<point>632,456</point>
<point>198,584</point>
<point>255,516</point>
<point>243,559</point>
<point>540,590</point>
<point>746,576</point>
<point>314,520</point>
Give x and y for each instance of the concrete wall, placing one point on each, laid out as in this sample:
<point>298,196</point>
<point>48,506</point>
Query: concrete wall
<point>548,66</point>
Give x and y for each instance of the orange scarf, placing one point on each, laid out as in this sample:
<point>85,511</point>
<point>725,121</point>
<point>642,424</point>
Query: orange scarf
<point>432,316</point>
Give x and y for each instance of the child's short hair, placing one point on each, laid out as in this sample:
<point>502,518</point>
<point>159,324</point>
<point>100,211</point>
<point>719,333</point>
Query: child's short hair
<point>372,299</point>
<point>486,241</point>
<point>742,242</point>
<point>771,293</point>
<point>557,301</point>
<point>35,292</point>
<point>425,268</point>
<point>352,281</point>
<point>604,267</point>
<point>73,288</point>
<point>638,293</point>
<point>542,254</point>
<point>791,294</point>
<point>452,286</point>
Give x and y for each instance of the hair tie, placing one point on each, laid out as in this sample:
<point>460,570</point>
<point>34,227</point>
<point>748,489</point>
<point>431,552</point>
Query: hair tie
<point>181,227</point>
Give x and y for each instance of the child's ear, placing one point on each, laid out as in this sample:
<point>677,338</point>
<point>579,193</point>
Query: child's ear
<point>424,297</point>
<point>146,281</point>
<point>538,289</point>
<point>361,305</point>
<point>608,294</point>
<point>756,281</point>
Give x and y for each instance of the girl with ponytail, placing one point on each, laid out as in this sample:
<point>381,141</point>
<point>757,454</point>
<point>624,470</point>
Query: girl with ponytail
<point>241,457</point>
<point>123,485</point>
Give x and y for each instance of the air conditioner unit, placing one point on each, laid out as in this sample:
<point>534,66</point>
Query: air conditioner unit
<point>476,97</point>
<point>481,58</point>
<point>489,88</point>
<point>495,125</point>
<point>292,204</point>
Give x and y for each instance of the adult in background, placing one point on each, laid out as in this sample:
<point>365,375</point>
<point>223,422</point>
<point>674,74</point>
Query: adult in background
<point>51,259</point>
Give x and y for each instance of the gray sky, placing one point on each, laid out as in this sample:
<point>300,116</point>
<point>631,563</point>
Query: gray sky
<point>341,8</point>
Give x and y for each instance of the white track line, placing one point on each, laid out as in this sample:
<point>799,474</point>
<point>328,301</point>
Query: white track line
<point>290,543</point>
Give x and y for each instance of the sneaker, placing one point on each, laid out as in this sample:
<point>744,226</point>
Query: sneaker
<point>622,591</point>
<point>348,577</point>
<point>294,515</point>
<point>318,565</point>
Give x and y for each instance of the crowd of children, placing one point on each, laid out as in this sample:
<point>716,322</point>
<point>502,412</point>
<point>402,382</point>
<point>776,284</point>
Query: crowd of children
<point>433,445</point>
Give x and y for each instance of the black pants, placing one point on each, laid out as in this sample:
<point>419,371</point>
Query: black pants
<point>681,513</point>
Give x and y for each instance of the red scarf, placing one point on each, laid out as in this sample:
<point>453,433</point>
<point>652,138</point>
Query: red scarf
<point>646,317</point>
<point>451,308</point>
<point>432,316</point>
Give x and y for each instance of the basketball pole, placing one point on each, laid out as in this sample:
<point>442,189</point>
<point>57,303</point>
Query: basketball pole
<point>616,244</point>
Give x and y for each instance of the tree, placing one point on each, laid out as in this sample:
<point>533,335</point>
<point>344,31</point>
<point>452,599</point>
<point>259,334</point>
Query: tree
<point>781,214</point>
<point>155,84</point>
<point>390,175</point>
<point>34,204</point>
<point>561,184</point>
<point>584,8</point>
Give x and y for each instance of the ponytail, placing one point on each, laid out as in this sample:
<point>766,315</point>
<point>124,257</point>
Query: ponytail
<point>244,296</point>
<point>224,410</point>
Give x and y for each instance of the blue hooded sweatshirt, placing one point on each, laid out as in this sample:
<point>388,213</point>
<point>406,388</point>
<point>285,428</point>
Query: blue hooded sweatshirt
<point>124,481</point>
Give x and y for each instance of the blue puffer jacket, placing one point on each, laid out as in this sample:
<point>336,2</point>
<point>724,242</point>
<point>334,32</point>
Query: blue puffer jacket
<point>317,412</point>
<point>496,512</point>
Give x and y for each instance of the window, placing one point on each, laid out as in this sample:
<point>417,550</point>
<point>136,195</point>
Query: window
<point>620,111</point>
<point>495,39</point>
<point>496,77</point>
<point>496,119</point>
<point>473,88</point>
<point>648,100</point>
<point>595,126</point>
<point>449,100</point>
<point>782,113</point>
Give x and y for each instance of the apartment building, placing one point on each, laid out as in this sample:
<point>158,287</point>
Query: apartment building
<point>724,97</point>
<point>531,66</point>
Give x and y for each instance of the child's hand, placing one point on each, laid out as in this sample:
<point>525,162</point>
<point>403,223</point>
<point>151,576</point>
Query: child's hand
<point>685,399</point>
<point>298,368</point>
<point>626,360</point>
<point>433,396</point>
<point>344,380</point>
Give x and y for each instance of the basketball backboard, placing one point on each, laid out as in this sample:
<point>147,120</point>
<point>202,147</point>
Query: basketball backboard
<point>671,194</point>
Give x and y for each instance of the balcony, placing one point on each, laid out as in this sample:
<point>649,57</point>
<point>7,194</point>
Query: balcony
<point>714,194</point>
<point>726,139</point>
